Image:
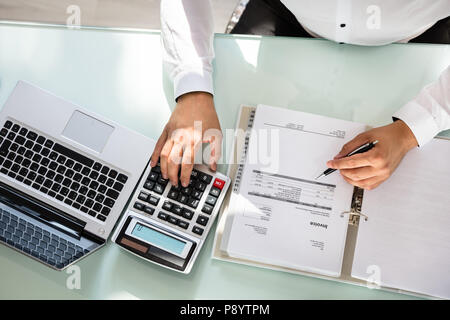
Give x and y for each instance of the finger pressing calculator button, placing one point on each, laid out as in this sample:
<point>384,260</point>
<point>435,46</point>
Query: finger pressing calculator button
<point>172,220</point>
<point>139,206</point>
<point>163,216</point>
<point>153,200</point>
<point>197,230</point>
<point>202,220</point>
<point>207,209</point>
<point>188,214</point>
<point>143,196</point>
<point>148,210</point>
<point>214,192</point>
<point>156,169</point>
<point>162,181</point>
<point>183,224</point>
<point>211,200</point>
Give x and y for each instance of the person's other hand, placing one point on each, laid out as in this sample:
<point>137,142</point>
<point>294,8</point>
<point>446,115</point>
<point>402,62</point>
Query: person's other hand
<point>368,170</point>
<point>183,135</point>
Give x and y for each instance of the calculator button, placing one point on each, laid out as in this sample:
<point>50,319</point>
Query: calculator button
<point>158,188</point>
<point>183,224</point>
<point>182,198</point>
<point>153,176</point>
<point>176,209</point>
<point>192,202</point>
<point>214,192</point>
<point>143,196</point>
<point>207,209</point>
<point>197,194</point>
<point>148,210</point>
<point>194,174</point>
<point>202,220</point>
<point>200,186</point>
<point>219,183</point>
<point>211,200</point>
<point>167,205</point>
<point>172,194</point>
<point>206,178</point>
<point>163,216</point>
<point>197,230</point>
<point>188,214</point>
<point>149,185</point>
<point>187,190</point>
<point>172,220</point>
<point>153,200</point>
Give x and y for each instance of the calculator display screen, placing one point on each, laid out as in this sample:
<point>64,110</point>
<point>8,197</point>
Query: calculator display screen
<point>158,239</point>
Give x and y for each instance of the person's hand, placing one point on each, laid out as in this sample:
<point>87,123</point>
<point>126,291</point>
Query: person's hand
<point>193,121</point>
<point>368,170</point>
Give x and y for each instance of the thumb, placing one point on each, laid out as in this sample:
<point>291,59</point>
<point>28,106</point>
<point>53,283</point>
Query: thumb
<point>353,144</point>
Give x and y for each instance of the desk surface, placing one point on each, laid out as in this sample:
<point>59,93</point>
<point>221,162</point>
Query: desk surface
<point>118,74</point>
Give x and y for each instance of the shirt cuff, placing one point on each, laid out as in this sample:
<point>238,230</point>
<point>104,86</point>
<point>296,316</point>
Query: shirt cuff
<point>190,81</point>
<point>419,120</point>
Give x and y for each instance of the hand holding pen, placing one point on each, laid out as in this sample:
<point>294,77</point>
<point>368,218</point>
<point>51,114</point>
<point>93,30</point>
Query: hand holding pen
<point>369,169</point>
<point>364,148</point>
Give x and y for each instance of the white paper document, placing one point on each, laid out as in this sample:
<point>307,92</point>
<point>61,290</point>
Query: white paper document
<point>405,243</point>
<point>282,215</point>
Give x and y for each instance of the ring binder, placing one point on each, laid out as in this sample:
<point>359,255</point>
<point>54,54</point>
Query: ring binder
<point>355,211</point>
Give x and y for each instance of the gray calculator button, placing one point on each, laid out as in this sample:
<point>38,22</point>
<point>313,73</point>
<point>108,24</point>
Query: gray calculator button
<point>214,192</point>
<point>211,200</point>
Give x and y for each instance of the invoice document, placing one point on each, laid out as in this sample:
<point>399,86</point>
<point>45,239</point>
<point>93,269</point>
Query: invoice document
<point>405,243</point>
<point>282,215</point>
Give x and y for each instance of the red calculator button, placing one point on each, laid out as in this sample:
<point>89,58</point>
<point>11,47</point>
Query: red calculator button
<point>219,183</point>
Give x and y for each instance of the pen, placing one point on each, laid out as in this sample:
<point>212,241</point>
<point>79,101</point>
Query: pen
<point>364,148</point>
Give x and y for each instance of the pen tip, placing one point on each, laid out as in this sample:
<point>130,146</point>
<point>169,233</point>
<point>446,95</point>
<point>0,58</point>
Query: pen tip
<point>319,176</point>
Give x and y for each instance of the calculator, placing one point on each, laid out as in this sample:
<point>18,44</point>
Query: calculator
<point>168,224</point>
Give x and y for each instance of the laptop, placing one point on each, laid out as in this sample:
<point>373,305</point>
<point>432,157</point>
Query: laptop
<point>66,174</point>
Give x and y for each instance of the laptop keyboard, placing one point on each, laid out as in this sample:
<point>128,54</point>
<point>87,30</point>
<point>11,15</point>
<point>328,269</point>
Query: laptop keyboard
<point>59,172</point>
<point>181,205</point>
<point>33,240</point>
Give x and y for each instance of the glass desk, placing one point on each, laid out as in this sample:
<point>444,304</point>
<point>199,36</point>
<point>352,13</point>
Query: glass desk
<point>118,73</point>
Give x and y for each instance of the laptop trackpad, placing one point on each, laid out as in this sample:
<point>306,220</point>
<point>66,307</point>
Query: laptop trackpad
<point>88,131</point>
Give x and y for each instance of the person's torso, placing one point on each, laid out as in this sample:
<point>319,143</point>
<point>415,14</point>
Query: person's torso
<point>368,22</point>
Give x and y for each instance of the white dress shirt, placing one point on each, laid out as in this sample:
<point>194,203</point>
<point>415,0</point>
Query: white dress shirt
<point>187,35</point>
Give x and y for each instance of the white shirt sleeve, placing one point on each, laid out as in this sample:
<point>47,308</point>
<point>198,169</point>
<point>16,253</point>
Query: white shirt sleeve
<point>187,32</point>
<point>429,113</point>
